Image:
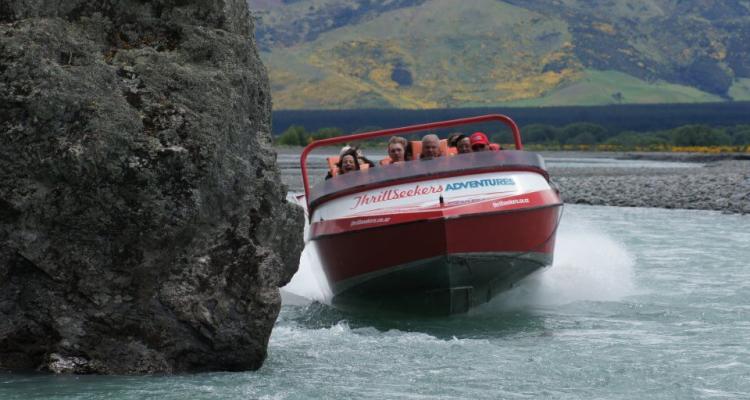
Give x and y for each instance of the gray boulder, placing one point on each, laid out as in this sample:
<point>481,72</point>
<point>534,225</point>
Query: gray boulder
<point>143,225</point>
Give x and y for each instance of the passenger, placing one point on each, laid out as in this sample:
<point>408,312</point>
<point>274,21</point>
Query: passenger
<point>361,159</point>
<point>479,142</point>
<point>452,142</point>
<point>397,149</point>
<point>453,138</point>
<point>347,162</point>
<point>430,147</point>
<point>463,144</point>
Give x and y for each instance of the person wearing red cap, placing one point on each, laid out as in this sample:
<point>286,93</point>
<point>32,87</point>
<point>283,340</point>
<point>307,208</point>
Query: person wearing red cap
<point>479,141</point>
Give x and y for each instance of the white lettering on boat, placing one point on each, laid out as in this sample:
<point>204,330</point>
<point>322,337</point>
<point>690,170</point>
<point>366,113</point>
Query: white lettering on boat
<point>369,221</point>
<point>503,203</point>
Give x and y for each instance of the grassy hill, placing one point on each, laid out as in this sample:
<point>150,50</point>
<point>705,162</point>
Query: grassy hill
<point>416,54</point>
<point>613,87</point>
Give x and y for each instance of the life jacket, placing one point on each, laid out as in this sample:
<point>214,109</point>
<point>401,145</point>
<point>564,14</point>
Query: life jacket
<point>333,167</point>
<point>385,161</point>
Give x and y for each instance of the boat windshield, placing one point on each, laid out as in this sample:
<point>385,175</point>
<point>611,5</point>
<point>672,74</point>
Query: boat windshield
<point>417,150</point>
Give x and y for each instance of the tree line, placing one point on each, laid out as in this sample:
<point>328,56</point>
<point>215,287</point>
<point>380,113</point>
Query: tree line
<point>616,118</point>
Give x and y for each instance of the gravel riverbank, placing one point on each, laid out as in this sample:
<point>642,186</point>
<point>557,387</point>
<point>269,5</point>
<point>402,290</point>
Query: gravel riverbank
<point>722,185</point>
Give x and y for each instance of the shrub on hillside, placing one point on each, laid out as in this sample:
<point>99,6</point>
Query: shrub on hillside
<point>295,135</point>
<point>539,133</point>
<point>582,133</point>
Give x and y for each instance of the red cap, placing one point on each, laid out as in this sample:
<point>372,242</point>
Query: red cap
<point>478,138</point>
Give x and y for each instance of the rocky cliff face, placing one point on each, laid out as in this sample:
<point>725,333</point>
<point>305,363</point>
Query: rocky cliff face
<point>143,227</point>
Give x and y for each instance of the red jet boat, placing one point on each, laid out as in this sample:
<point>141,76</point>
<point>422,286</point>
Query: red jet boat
<point>434,236</point>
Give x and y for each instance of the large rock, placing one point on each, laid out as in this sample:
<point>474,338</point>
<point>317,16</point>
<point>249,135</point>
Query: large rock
<point>143,227</point>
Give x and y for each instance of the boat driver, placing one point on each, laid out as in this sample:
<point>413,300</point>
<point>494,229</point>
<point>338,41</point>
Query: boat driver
<point>430,147</point>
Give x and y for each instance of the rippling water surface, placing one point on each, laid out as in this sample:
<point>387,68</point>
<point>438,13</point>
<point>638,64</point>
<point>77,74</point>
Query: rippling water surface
<point>641,303</point>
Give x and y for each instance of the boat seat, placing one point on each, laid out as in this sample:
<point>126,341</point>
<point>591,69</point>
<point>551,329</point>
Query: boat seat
<point>416,149</point>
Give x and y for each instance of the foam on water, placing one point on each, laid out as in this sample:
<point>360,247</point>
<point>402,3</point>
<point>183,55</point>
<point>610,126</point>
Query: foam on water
<point>310,281</point>
<point>589,266</point>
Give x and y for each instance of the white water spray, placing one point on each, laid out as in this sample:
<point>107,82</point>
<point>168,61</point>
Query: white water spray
<point>589,266</point>
<point>309,283</point>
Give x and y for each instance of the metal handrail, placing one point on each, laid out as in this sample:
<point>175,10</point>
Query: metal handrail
<point>394,131</point>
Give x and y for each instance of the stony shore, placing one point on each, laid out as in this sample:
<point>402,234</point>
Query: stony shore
<point>706,183</point>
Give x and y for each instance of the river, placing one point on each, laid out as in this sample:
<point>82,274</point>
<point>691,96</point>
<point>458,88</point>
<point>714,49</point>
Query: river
<point>640,303</point>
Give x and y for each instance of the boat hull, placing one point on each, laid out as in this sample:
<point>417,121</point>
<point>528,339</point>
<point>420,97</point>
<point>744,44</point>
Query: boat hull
<point>442,285</point>
<point>443,264</point>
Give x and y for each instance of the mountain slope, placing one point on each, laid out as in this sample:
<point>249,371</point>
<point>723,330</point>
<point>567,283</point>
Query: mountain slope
<point>445,53</point>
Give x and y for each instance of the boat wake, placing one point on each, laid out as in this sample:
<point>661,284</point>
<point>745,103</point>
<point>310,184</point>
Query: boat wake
<point>309,283</point>
<point>589,266</point>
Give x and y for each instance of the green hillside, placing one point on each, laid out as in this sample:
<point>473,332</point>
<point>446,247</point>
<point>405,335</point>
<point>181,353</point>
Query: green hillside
<point>613,87</point>
<point>740,91</point>
<point>336,54</point>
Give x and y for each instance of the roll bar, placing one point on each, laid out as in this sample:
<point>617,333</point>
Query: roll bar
<point>394,131</point>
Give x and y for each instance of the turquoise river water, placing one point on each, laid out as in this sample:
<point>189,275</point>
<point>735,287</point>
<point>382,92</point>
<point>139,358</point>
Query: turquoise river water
<point>640,304</point>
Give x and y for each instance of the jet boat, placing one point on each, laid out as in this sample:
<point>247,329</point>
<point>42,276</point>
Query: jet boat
<point>437,236</point>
